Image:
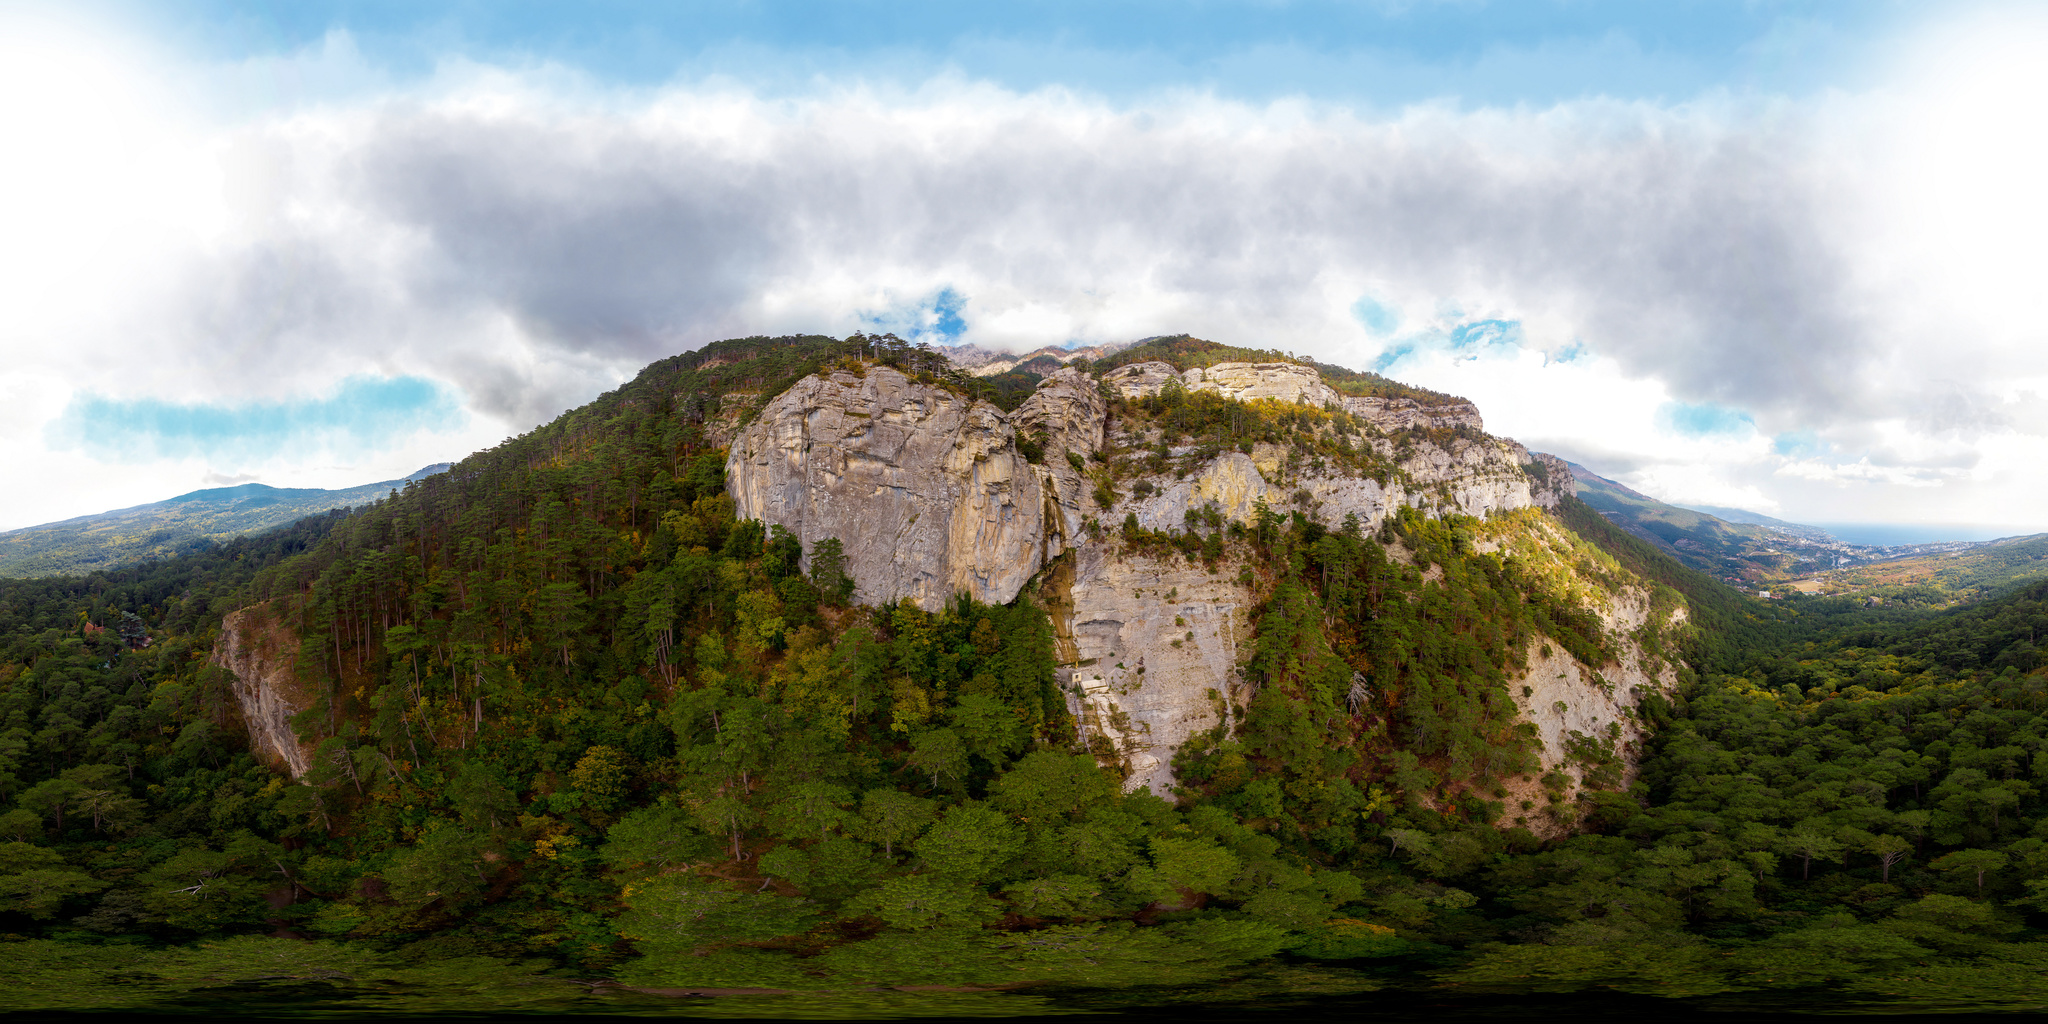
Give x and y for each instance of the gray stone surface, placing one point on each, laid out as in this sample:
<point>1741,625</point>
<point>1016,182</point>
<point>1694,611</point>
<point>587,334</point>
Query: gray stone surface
<point>262,658</point>
<point>925,489</point>
<point>931,496</point>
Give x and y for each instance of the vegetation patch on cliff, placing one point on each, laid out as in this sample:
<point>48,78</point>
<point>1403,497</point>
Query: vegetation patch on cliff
<point>1185,352</point>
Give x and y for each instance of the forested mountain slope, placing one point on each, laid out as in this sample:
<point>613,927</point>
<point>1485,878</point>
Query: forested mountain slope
<point>187,523</point>
<point>564,712</point>
<point>1945,578</point>
<point>1741,554</point>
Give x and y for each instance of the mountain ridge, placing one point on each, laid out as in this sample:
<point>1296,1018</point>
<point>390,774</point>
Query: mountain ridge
<point>157,529</point>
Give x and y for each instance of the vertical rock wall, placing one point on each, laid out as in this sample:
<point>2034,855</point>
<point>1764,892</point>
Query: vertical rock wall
<point>926,490</point>
<point>262,656</point>
<point>1157,644</point>
<point>931,495</point>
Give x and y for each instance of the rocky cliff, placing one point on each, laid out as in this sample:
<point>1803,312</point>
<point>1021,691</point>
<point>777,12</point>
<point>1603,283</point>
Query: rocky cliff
<point>260,654</point>
<point>926,489</point>
<point>933,494</point>
<point>1469,473</point>
<point>1588,732</point>
<point>1293,382</point>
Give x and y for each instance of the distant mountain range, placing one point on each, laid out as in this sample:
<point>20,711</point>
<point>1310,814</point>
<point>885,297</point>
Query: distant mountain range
<point>1744,517</point>
<point>983,362</point>
<point>161,529</point>
<point>1737,546</point>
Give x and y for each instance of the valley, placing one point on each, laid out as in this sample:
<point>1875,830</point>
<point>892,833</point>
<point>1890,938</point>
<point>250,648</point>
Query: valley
<point>1757,553</point>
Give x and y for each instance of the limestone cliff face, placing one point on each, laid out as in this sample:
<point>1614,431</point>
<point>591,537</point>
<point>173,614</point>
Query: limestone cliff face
<point>1156,645</point>
<point>1470,475</point>
<point>1574,704</point>
<point>926,490</point>
<point>931,495</point>
<point>1292,382</point>
<point>1585,714</point>
<point>261,654</point>
<point>1552,481</point>
<point>1069,411</point>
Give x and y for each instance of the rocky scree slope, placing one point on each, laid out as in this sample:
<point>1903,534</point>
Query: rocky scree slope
<point>933,494</point>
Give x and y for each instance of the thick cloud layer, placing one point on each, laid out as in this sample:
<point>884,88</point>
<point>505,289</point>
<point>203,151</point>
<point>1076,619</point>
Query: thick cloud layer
<point>1687,244</point>
<point>1729,259</point>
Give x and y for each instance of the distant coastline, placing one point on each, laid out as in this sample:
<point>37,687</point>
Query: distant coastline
<point>1891,534</point>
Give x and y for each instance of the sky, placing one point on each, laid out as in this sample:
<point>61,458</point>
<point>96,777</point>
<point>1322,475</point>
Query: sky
<point>1764,255</point>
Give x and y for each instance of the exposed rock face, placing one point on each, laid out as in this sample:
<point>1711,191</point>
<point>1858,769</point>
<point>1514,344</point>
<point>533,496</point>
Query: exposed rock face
<point>1572,703</point>
<point>1072,413</point>
<point>1157,644</point>
<point>926,490</point>
<point>1069,409</point>
<point>1553,483</point>
<point>1392,414</point>
<point>1140,380</point>
<point>261,654</point>
<point>1282,382</point>
<point>931,496</point>
<point>1292,382</point>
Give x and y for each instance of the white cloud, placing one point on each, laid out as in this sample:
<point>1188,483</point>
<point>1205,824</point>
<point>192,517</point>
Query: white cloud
<point>530,236</point>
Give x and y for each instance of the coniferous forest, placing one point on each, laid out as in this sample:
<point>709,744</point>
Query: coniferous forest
<point>580,740</point>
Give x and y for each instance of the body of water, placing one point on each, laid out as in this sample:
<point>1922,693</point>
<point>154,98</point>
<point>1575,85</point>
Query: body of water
<point>1889,534</point>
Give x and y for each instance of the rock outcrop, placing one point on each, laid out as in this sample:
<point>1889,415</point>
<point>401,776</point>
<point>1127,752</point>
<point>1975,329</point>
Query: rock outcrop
<point>1293,382</point>
<point>1471,473</point>
<point>931,494</point>
<point>1550,479</point>
<point>261,654</point>
<point>1156,648</point>
<point>1585,714</point>
<point>926,490</point>
<point>1070,413</point>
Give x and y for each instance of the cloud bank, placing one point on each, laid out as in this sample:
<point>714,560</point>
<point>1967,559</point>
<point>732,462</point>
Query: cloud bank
<point>1690,243</point>
<point>1713,276</point>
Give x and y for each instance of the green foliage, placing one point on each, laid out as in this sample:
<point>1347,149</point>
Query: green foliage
<point>1205,424</point>
<point>568,717</point>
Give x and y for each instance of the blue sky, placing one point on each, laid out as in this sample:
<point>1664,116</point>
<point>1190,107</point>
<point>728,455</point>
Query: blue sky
<point>1739,253</point>
<point>1388,53</point>
<point>361,412</point>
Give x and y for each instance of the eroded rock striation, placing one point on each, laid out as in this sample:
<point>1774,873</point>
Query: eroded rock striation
<point>1292,382</point>
<point>261,655</point>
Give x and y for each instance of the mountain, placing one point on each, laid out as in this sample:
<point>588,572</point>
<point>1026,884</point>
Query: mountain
<point>1753,551</point>
<point>1744,517</point>
<point>1957,572</point>
<point>1750,555</point>
<point>797,667</point>
<point>1184,441</point>
<point>983,362</point>
<point>162,529</point>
